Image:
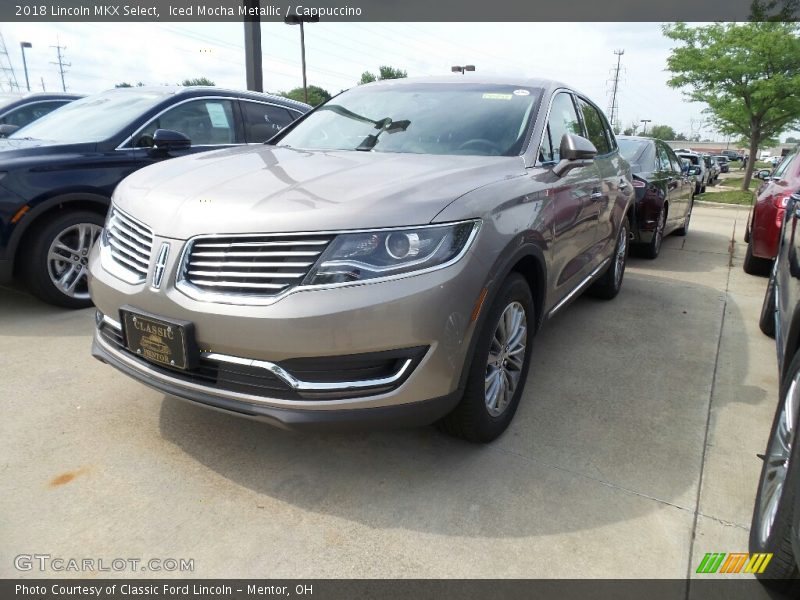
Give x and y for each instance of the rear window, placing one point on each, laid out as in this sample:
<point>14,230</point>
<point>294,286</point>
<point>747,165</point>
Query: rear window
<point>630,149</point>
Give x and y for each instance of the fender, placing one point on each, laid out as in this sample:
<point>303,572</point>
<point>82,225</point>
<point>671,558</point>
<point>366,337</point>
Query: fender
<point>31,217</point>
<point>519,248</point>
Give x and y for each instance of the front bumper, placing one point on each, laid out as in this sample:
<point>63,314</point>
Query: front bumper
<point>430,313</point>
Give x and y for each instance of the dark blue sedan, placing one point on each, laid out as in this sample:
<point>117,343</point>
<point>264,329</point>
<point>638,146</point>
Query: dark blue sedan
<point>58,173</point>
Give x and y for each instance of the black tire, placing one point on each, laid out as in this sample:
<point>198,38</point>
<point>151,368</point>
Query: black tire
<point>608,286</point>
<point>471,419</point>
<point>703,189</point>
<point>684,229</point>
<point>781,572</point>
<point>34,264</point>
<point>652,249</point>
<point>766,321</point>
<point>753,265</point>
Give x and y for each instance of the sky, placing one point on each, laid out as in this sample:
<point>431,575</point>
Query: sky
<point>102,54</point>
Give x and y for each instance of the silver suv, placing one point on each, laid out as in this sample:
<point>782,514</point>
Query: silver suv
<point>386,260</point>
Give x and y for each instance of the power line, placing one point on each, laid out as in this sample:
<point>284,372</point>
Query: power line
<point>613,108</point>
<point>61,64</point>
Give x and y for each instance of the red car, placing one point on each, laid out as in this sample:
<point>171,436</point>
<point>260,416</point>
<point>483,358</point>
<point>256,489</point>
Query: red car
<point>766,216</point>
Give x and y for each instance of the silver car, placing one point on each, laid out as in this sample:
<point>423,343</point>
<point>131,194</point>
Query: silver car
<point>385,260</point>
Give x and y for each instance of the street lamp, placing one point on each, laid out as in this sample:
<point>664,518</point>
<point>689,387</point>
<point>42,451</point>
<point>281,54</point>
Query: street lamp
<point>462,70</point>
<point>645,121</point>
<point>22,46</point>
<point>298,20</point>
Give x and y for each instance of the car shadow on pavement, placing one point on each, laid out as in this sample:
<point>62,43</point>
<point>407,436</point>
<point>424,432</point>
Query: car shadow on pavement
<point>612,426</point>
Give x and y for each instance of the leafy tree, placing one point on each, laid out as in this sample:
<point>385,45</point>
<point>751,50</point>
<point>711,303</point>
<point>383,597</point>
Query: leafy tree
<point>680,137</point>
<point>384,72</point>
<point>748,74</point>
<point>662,132</point>
<point>125,84</point>
<point>792,140</point>
<point>316,95</point>
<point>198,81</point>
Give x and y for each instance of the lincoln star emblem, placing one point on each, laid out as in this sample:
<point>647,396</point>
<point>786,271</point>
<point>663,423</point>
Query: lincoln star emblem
<point>161,263</point>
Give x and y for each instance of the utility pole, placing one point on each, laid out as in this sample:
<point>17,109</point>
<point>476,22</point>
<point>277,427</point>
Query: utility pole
<point>252,48</point>
<point>645,121</point>
<point>613,108</point>
<point>42,80</point>
<point>8,78</point>
<point>298,20</point>
<point>61,64</point>
<point>22,46</point>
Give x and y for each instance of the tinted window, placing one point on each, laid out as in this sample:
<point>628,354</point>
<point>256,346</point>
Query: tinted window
<point>595,127</point>
<point>784,166</point>
<point>207,122</point>
<point>93,118</point>
<point>630,149</point>
<point>677,166</point>
<point>421,118</point>
<point>662,158</point>
<point>28,114</point>
<point>262,121</point>
<point>563,119</point>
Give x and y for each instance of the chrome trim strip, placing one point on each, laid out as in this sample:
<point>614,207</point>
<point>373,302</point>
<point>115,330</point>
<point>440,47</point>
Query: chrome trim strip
<point>577,288</point>
<point>307,386</point>
<point>254,300</point>
<point>111,322</point>
<point>311,404</point>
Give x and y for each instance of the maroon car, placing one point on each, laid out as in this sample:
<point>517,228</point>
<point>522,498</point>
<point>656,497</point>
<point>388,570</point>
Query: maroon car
<point>764,224</point>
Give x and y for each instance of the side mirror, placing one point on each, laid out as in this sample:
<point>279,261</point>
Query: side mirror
<point>764,174</point>
<point>167,140</point>
<point>7,129</point>
<point>575,151</point>
<point>695,171</point>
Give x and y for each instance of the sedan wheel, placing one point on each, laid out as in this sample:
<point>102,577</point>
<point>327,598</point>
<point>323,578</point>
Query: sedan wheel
<point>56,258</point>
<point>654,247</point>
<point>68,259</point>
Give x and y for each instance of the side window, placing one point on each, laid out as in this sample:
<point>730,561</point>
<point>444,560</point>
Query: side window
<point>207,122</point>
<point>563,119</point>
<point>662,160</point>
<point>677,167</point>
<point>595,127</point>
<point>28,114</point>
<point>262,121</point>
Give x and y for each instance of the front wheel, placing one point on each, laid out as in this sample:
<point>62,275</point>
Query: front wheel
<point>608,286</point>
<point>770,530</point>
<point>55,263</point>
<point>498,367</point>
<point>654,247</point>
<point>754,265</point>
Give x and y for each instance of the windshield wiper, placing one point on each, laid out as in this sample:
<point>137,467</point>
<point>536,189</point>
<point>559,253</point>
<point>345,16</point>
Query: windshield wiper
<point>384,125</point>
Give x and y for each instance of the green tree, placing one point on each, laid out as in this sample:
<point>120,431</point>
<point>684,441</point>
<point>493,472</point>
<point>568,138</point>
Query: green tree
<point>662,132</point>
<point>198,81</point>
<point>125,84</point>
<point>792,140</point>
<point>316,95</point>
<point>748,74</point>
<point>384,72</point>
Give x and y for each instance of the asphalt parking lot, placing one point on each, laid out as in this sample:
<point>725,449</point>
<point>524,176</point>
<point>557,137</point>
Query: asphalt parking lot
<point>633,452</point>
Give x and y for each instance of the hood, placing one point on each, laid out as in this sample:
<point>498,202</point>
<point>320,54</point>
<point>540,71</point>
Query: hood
<point>273,189</point>
<point>14,148</point>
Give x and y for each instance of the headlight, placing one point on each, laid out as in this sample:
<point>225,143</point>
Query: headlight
<point>371,255</point>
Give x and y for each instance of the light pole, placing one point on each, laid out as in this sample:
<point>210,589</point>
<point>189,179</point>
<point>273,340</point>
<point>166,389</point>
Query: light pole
<point>22,46</point>
<point>462,70</point>
<point>645,121</point>
<point>298,20</point>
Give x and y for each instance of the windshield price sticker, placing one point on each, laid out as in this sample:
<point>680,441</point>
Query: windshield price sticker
<point>495,96</point>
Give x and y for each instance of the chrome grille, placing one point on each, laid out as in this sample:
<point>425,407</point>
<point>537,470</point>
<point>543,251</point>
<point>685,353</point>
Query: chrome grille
<point>262,265</point>
<point>130,243</point>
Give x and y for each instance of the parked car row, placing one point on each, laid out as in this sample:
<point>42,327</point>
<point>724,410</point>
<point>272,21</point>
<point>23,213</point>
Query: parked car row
<point>17,111</point>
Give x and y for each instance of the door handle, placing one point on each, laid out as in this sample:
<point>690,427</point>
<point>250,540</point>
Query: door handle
<point>596,195</point>
<point>623,184</point>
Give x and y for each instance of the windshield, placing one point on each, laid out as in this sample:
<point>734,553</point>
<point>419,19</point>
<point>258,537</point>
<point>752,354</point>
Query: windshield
<point>91,119</point>
<point>460,118</point>
<point>783,166</point>
<point>630,148</point>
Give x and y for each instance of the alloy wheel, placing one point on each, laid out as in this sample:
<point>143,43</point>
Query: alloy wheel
<point>776,466</point>
<point>68,259</point>
<point>506,358</point>
<point>621,254</point>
